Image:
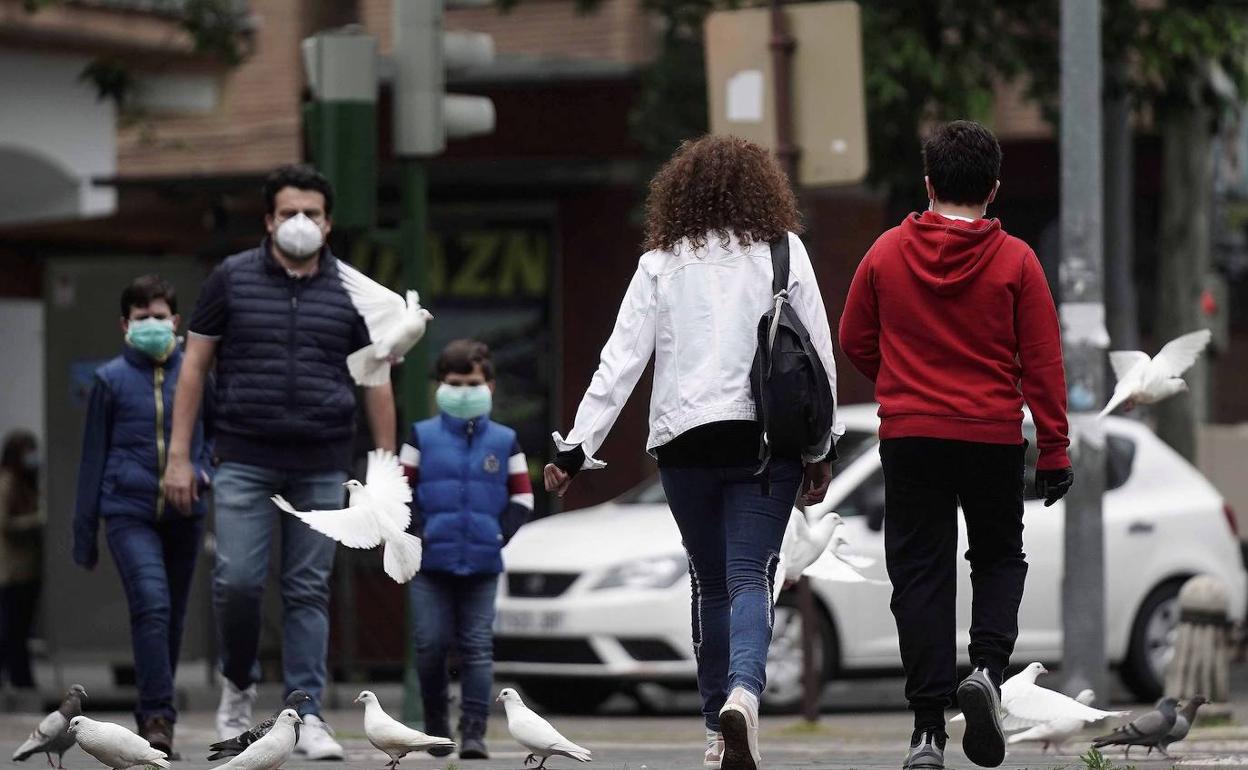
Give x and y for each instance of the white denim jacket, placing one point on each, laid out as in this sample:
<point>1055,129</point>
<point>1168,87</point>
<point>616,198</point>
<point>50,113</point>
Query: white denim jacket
<point>697,312</point>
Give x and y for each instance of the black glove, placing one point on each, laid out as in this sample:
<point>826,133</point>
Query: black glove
<point>570,461</point>
<point>1053,485</point>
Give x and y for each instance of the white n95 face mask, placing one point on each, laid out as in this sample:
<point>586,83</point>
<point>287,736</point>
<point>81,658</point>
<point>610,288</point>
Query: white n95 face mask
<point>299,237</point>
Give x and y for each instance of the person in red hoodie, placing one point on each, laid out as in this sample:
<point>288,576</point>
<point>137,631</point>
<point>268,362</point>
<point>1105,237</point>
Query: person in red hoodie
<point>953,320</point>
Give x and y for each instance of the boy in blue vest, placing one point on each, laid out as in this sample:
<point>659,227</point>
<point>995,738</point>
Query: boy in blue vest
<point>124,451</point>
<point>471,494</point>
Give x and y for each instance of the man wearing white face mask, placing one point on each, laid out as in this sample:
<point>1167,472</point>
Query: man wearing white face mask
<point>471,493</point>
<point>279,325</point>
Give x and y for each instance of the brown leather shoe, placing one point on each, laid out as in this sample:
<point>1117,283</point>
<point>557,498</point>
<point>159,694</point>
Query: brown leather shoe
<point>158,731</point>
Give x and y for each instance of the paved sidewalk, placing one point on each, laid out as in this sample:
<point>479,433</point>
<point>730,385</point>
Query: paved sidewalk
<point>852,741</point>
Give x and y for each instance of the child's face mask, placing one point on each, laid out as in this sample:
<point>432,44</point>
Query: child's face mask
<point>466,402</point>
<point>152,336</point>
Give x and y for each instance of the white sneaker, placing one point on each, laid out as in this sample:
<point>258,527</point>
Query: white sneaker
<point>714,750</point>
<point>738,721</point>
<point>316,740</point>
<point>234,711</point>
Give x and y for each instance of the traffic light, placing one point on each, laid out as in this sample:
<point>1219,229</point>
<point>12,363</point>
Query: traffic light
<point>424,115</point>
<point>341,119</point>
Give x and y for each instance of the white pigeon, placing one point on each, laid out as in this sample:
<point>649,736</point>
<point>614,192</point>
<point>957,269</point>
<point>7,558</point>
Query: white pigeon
<point>52,736</point>
<point>1026,704</point>
<point>1056,732</point>
<point>802,546</point>
<point>1145,380</point>
<point>837,565</point>
<point>114,745</point>
<point>376,512</point>
<point>271,750</point>
<point>395,324</point>
<point>536,734</point>
<point>393,737</point>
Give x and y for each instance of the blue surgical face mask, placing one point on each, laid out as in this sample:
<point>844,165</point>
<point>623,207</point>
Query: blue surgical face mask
<point>467,402</point>
<point>152,336</point>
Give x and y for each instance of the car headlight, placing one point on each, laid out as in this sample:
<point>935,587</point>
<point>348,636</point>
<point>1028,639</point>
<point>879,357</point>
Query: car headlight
<point>658,572</point>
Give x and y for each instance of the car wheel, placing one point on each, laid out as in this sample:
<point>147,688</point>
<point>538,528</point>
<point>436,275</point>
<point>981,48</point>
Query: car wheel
<point>1152,642</point>
<point>566,696</point>
<point>784,656</point>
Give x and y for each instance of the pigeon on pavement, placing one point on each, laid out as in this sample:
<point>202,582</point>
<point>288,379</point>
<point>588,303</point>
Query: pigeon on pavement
<point>52,735</point>
<point>1056,732</point>
<point>536,734</point>
<point>1183,721</point>
<point>376,512</point>
<point>395,324</point>
<point>114,745</point>
<point>1150,729</point>
<point>393,737</point>
<point>1144,380</point>
<point>271,750</point>
<point>1027,704</point>
<point>235,746</point>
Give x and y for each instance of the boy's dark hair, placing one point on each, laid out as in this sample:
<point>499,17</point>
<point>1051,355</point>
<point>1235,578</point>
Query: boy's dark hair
<point>461,357</point>
<point>300,176</point>
<point>962,160</point>
<point>144,289</point>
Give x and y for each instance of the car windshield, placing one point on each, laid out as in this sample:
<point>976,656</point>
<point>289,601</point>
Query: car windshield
<point>848,449</point>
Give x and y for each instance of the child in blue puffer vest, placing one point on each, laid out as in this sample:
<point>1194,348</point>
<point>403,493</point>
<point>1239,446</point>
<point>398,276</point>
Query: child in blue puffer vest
<point>124,450</point>
<point>471,493</point>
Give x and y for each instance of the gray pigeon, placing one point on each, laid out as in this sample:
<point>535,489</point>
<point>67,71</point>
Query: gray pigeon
<point>1183,722</point>
<point>52,735</point>
<point>236,745</point>
<point>1149,729</point>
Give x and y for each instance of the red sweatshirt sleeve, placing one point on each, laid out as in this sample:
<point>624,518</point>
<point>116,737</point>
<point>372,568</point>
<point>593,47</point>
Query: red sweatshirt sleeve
<point>1040,354</point>
<point>860,322</point>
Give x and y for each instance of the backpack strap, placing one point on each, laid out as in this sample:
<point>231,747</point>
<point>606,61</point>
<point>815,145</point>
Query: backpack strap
<point>779,264</point>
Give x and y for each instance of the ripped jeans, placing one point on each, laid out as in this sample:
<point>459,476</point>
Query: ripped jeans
<point>732,533</point>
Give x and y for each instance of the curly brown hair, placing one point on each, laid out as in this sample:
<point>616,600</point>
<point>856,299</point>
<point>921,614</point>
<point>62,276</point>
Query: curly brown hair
<point>721,186</point>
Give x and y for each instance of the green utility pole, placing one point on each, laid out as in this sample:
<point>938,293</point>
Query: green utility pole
<point>414,393</point>
<point>424,116</point>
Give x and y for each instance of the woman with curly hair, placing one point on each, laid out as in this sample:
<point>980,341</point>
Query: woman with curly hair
<point>694,303</point>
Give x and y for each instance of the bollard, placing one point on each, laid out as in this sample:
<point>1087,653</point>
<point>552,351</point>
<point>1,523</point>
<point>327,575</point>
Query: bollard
<point>1201,662</point>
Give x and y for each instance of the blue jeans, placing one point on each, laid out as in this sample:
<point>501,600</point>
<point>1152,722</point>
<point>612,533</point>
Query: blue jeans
<point>156,560</point>
<point>457,608</point>
<point>246,519</point>
<point>732,533</point>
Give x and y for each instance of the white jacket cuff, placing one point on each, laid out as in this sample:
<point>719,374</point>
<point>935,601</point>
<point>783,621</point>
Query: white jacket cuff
<point>591,463</point>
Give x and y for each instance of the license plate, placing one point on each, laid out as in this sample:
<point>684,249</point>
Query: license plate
<point>520,622</point>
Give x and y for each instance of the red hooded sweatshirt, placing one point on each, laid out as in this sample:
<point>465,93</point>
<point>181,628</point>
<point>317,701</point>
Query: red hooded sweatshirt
<point>954,323</point>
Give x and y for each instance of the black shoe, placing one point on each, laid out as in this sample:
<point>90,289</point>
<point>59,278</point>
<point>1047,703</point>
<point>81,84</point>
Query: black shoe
<point>472,739</point>
<point>927,750</point>
<point>437,726</point>
<point>984,741</point>
<point>158,731</point>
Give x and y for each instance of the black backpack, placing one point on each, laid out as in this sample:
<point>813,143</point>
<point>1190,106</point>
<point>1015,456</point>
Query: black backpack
<point>791,391</point>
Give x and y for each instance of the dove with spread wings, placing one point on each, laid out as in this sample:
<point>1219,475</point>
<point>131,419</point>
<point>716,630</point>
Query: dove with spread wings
<point>395,324</point>
<point>1144,380</point>
<point>377,512</point>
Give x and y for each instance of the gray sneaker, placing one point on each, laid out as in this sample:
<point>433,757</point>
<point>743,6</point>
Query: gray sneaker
<point>983,741</point>
<point>927,751</point>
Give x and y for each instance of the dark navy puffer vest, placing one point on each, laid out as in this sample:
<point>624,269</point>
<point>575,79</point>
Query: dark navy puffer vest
<point>462,493</point>
<point>284,396</point>
<point>138,437</point>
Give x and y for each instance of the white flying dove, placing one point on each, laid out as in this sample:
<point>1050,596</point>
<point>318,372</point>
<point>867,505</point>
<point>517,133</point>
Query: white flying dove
<point>395,324</point>
<point>1145,380</point>
<point>376,512</point>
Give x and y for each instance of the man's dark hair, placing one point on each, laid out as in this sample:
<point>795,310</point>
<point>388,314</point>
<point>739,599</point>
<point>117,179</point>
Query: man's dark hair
<point>144,289</point>
<point>301,177</point>
<point>461,357</point>
<point>962,160</point>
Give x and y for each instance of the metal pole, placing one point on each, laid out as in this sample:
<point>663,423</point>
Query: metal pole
<point>1120,294</point>
<point>414,386</point>
<point>1085,339</point>
<point>782,45</point>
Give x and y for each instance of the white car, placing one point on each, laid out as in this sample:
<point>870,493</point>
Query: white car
<point>596,600</point>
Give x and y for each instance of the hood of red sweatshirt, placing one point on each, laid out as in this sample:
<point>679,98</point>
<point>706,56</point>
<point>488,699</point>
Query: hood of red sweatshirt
<point>947,254</point>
